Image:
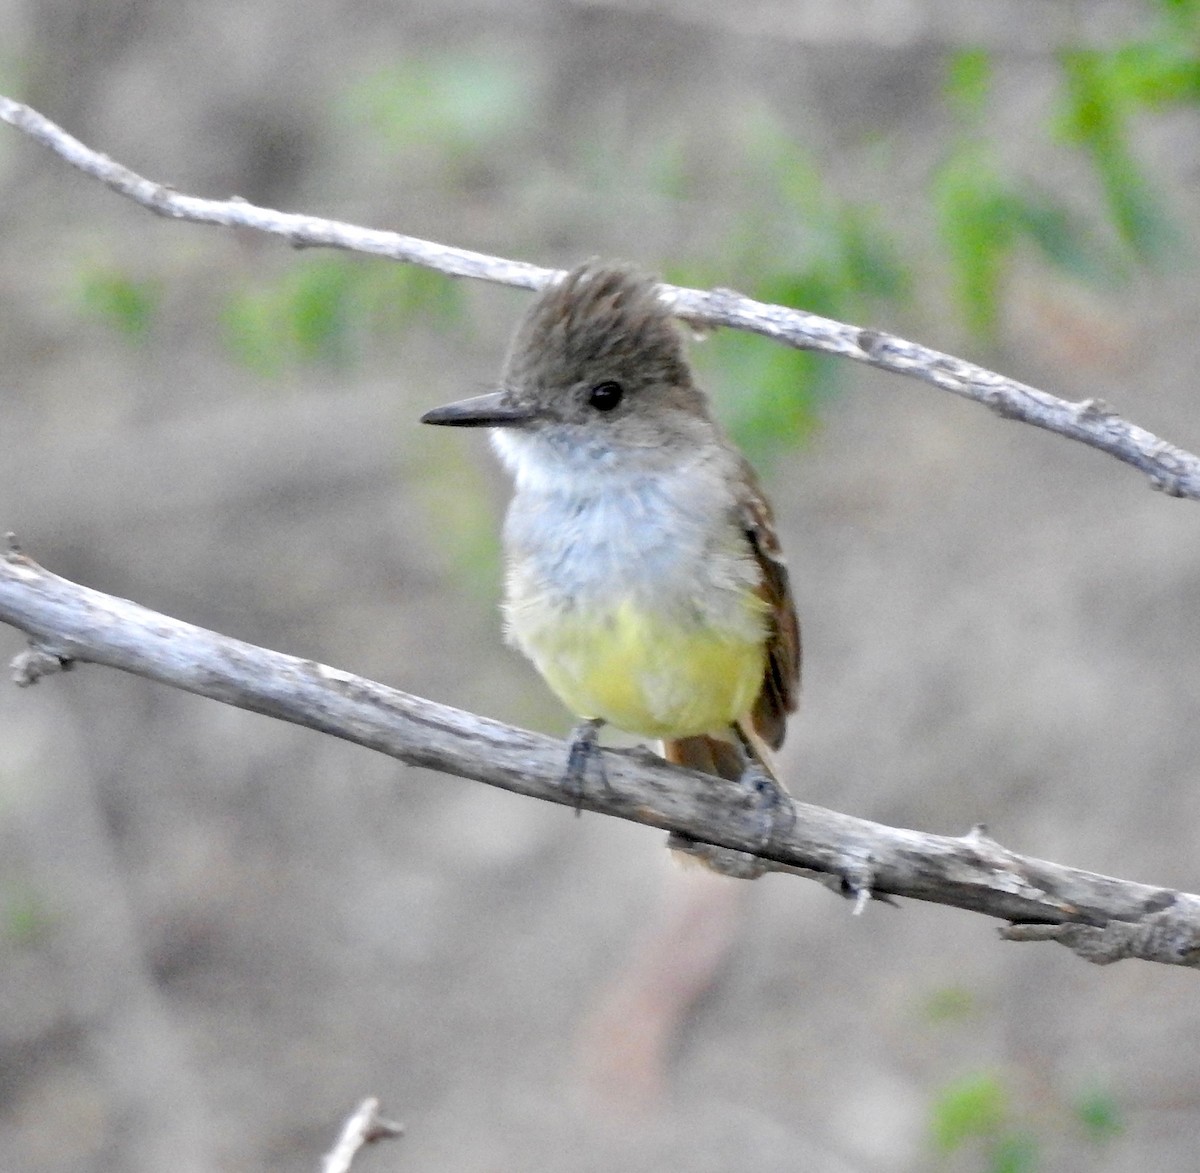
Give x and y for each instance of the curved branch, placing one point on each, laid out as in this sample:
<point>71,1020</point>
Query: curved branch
<point>1100,918</point>
<point>1091,422</point>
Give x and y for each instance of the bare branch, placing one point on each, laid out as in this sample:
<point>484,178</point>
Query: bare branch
<point>364,1126</point>
<point>1100,918</point>
<point>1090,421</point>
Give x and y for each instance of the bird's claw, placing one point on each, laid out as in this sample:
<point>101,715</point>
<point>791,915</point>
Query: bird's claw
<point>584,752</point>
<point>769,805</point>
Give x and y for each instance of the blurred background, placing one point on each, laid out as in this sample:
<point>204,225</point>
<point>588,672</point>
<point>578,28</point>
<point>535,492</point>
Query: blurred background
<point>218,932</point>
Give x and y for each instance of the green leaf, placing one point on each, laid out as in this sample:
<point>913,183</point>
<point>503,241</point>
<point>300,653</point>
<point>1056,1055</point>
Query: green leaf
<point>398,294</point>
<point>950,1004</point>
<point>770,395</point>
<point>1100,1115</point>
<point>794,244</point>
<point>319,311</point>
<point>813,288</point>
<point>1061,237</point>
<point>1090,116</point>
<point>1156,73</point>
<point>1136,210</point>
<point>318,308</point>
<point>1182,17</point>
<point>871,264</point>
<point>1094,117</point>
<point>305,316</point>
<point>253,332</point>
<point>1015,1152</point>
<point>972,1107</point>
<point>122,304</point>
<point>976,230</point>
<point>969,81</point>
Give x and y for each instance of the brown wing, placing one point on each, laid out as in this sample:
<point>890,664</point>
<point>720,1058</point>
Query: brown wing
<point>781,681</point>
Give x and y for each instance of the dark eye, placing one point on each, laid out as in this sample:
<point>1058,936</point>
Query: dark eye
<point>605,396</point>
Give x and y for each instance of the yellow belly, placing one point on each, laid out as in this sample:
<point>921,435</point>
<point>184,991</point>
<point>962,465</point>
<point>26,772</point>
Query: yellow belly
<point>644,673</point>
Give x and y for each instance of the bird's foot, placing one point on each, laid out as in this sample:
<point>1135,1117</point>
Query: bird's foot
<point>584,752</point>
<point>770,807</point>
<point>772,815</point>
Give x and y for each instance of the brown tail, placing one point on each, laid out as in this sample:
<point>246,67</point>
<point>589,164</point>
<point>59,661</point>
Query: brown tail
<point>709,755</point>
<point>725,759</point>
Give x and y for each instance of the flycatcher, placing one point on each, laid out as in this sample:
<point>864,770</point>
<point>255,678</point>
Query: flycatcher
<point>645,580</point>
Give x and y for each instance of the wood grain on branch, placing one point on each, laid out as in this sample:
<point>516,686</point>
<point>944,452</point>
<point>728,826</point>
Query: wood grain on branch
<point>1100,918</point>
<point>1169,468</point>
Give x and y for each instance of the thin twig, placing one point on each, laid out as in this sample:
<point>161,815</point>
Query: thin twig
<point>364,1126</point>
<point>1100,918</point>
<point>1090,421</point>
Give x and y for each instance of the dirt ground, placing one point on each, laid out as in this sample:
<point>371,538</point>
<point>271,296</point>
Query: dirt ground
<point>221,932</point>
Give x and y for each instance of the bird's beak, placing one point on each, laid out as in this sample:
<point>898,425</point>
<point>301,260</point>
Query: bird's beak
<point>492,410</point>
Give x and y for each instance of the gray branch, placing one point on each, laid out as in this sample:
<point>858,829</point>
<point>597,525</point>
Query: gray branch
<point>1090,421</point>
<point>1100,918</point>
<point>363,1127</point>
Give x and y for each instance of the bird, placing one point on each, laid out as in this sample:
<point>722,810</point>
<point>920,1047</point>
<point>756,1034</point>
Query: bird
<point>644,575</point>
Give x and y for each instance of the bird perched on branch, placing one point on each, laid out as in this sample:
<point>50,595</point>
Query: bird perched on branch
<point>645,579</point>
